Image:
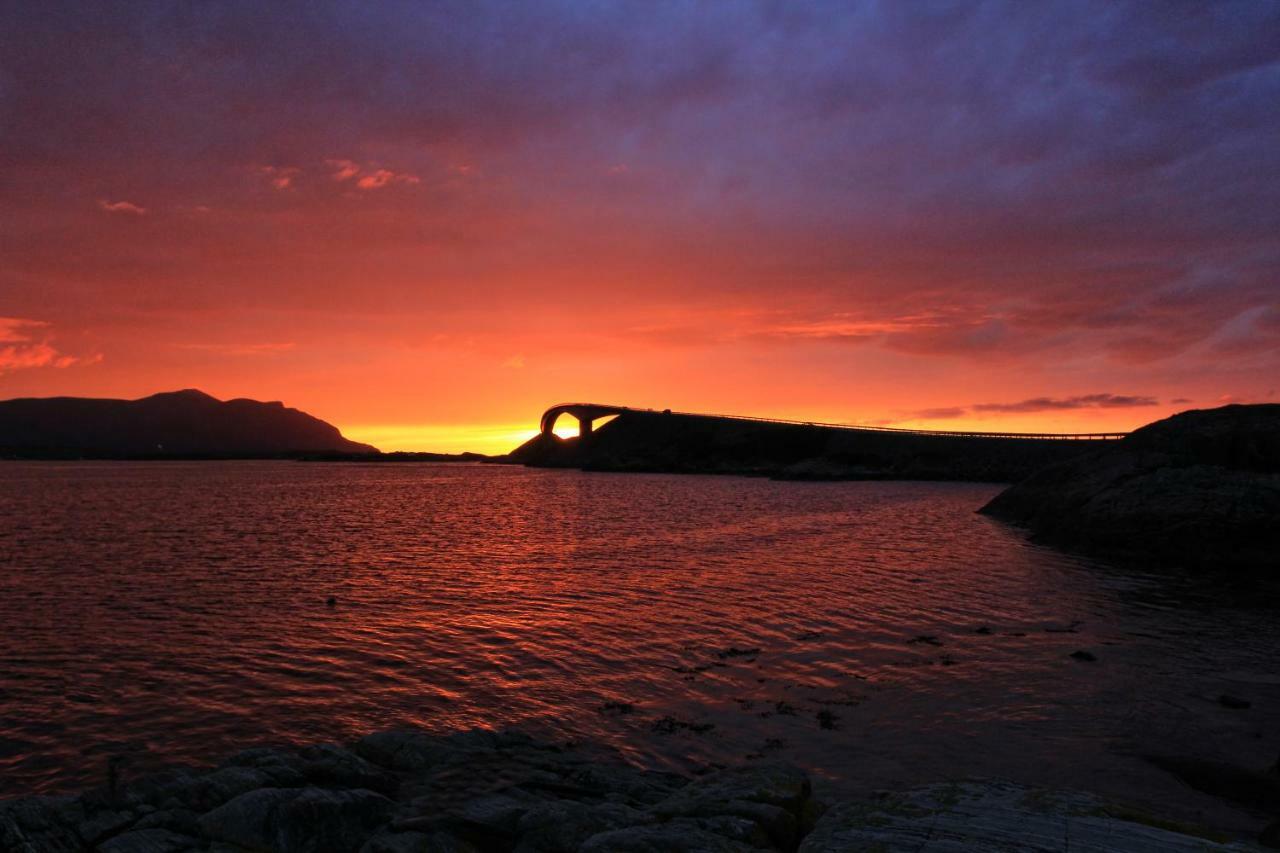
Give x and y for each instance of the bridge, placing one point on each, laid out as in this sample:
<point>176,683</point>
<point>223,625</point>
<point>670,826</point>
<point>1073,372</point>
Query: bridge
<point>587,413</point>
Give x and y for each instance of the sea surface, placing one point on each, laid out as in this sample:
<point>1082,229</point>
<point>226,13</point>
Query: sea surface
<point>878,633</point>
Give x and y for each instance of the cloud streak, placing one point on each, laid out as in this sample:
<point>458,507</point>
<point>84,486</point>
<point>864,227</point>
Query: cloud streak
<point>24,345</point>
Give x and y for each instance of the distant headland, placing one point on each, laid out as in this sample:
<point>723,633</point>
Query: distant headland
<point>177,424</point>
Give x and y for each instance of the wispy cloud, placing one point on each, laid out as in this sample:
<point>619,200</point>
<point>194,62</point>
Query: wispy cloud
<point>381,177</point>
<point>343,169</point>
<point>1084,401</point>
<point>122,207</point>
<point>25,344</point>
<point>281,177</point>
<point>1039,404</point>
<point>940,414</point>
<point>369,177</point>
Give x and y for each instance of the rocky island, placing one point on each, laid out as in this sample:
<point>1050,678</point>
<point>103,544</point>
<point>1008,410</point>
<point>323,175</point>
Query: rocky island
<point>1200,489</point>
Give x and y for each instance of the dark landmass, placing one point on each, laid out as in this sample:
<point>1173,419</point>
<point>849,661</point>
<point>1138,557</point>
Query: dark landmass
<point>1200,489</point>
<point>398,456</point>
<point>701,444</point>
<point>179,424</point>
<point>482,791</point>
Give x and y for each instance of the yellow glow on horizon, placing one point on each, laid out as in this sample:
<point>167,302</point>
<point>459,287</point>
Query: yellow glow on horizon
<point>491,439</point>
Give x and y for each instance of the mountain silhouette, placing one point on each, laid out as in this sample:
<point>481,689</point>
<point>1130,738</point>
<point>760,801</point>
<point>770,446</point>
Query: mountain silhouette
<point>173,424</point>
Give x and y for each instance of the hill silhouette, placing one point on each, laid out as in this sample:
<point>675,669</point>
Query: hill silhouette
<point>187,423</point>
<point>1200,489</point>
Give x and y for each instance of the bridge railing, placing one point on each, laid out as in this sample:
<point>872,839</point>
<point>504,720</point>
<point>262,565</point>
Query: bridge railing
<point>1043,436</point>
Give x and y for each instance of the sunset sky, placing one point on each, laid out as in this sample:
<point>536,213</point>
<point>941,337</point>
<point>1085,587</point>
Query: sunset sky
<point>427,222</point>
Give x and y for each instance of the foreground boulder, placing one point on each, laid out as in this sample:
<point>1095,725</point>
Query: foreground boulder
<point>503,792</point>
<point>1200,489</point>
<point>411,792</point>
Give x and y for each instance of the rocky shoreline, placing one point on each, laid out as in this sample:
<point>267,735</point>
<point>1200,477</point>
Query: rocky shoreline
<point>1199,490</point>
<point>480,791</point>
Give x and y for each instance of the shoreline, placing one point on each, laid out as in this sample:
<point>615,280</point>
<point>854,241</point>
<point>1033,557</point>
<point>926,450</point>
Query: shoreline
<point>475,791</point>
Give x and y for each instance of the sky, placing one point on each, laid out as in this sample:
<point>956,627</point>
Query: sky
<point>428,222</point>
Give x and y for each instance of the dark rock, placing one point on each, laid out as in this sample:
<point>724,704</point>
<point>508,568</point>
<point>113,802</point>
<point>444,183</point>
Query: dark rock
<point>926,639</point>
<point>41,825</point>
<point>400,750</point>
<point>331,766</point>
<point>150,841</point>
<point>982,629</point>
<point>772,796</point>
<point>620,781</point>
<point>306,820</point>
<point>180,821</point>
<point>1082,655</point>
<point>1270,836</point>
<point>671,725</point>
<point>996,816</point>
<point>616,708</point>
<point>563,826</point>
<point>678,836</point>
<point>1226,700</point>
<point>735,652</point>
<point>388,841</point>
<point>826,719</point>
<point>1254,789</point>
<point>1200,489</point>
<point>103,823</point>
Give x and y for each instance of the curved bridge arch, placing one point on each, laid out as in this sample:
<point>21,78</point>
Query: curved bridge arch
<point>585,413</point>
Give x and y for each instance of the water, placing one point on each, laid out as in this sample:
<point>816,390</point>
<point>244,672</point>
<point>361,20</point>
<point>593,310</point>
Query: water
<point>178,612</point>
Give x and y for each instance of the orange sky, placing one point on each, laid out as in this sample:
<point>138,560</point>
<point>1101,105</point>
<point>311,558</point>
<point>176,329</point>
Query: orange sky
<point>428,225</point>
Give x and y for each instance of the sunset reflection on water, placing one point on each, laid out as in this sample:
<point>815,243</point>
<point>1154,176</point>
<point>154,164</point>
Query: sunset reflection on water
<point>178,612</point>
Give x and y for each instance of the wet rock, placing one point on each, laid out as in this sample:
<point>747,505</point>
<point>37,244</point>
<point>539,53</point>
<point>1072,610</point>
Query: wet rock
<point>306,820</point>
<point>149,841</point>
<point>617,708</point>
<point>1235,703</point>
<point>671,725</point>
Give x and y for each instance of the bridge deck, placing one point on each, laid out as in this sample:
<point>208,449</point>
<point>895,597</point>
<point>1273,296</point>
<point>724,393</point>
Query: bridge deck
<point>603,410</point>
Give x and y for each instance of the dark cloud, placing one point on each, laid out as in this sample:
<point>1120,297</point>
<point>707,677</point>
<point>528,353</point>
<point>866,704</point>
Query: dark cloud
<point>1085,401</point>
<point>1060,180</point>
<point>940,414</point>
